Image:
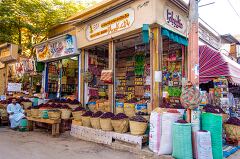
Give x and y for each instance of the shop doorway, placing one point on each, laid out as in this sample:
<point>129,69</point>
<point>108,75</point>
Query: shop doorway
<point>62,78</point>
<point>132,76</point>
<point>96,91</point>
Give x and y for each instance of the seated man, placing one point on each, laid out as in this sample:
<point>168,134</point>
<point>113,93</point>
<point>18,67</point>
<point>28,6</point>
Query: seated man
<point>15,112</point>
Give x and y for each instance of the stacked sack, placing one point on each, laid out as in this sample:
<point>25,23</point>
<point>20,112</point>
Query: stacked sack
<point>160,135</point>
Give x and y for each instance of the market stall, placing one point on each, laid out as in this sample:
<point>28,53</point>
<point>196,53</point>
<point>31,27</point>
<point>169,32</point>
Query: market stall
<point>61,66</point>
<point>219,76</point>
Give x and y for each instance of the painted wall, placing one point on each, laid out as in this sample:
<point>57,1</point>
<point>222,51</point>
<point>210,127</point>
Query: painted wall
<point>143,14</point>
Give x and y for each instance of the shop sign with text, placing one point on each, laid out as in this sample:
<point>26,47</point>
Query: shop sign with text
<point>115,23</point>
<point>174,19</point>
<point>60,47</point>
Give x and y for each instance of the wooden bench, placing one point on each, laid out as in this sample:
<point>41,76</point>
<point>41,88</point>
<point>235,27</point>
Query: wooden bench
<point>54,122</point>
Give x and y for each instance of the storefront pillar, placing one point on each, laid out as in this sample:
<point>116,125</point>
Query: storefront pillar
<point>81,76</point>
<point>111,66</point>
<point>156,64</point>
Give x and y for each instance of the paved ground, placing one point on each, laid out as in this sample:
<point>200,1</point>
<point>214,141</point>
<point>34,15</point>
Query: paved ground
<point>41,145</point>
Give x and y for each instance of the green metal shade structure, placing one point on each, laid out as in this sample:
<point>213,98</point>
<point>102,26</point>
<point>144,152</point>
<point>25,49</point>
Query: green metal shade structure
<point>175,37</point>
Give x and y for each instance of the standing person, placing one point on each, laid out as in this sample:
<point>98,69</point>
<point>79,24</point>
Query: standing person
<point>15,112</point>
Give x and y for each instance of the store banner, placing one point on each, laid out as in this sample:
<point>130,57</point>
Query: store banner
<point>115,23</point>
<point>175,20</point>
<point>25,66</point>
<point>56,48</point>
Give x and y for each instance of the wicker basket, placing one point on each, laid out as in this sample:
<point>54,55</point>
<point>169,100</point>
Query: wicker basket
<point>232,131</point>
<point>225,117</point>
<point>120,126</point>
<point>95,122</point>
<point>137,128</point>
<point>54,114</point>
<point>130,112</point>
<point>26,104</point>
<point>65,113</point>
<point>77,122</point>
<point>106,124</point>
<point>92,107</point>
<point>35,113</point>
<point>86,121</point>
<point>73,106</point>
<point>28,112</point>
<point>78,115</point>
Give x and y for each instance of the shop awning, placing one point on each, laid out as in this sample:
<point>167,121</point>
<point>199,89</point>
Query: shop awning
<point>214,64</point>
<point>175,37</point>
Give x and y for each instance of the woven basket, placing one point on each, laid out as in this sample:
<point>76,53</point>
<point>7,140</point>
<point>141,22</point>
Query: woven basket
<point>26,104</point>
<point>28,112</point>
<point>78,115</point>
<point>65,113</point>
<point>77,122</point>
<point>86,121</point>
<point>137,128</point>
<point>92,107</point>
<point>225,117</point>
<point>130,112</point>
<point>232,131</point>
<point>119,110</point>
<point>120,126</point>
<point>3,112</point>
<point>106,124</point>
<point>95,122</point>
<point>54,114</point>
<point>73,106</point>
<point>35,113</point>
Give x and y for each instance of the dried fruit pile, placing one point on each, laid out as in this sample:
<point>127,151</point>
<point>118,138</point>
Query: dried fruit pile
<point>138,118</point>
<point>88,113</point>
<point>97,114</point>
<point>107,115</point>
<point>79,109</point>
<point>233,121</point>
<point>119,116</point>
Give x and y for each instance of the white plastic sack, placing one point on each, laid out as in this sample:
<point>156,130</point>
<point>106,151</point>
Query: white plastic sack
<point>166,136</point>
<point>203,145</point>
<point>155,131</point>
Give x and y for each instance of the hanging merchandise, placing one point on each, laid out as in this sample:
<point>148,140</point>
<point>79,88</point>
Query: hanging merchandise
<point>107,76</point>
<point>139,64</point>
<point>88,77</point>
<point>190,97</point>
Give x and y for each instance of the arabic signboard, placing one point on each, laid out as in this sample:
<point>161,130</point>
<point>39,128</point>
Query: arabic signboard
<point>174,19</point>
<point>60,47</point>
<point>14,87</point>
<point>115,23</point>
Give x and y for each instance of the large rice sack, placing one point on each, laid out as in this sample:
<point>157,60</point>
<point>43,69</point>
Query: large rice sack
<point>155,131</point>
<point>166,134</point>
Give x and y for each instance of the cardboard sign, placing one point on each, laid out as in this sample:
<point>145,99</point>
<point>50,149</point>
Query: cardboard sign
<point>14,87</point>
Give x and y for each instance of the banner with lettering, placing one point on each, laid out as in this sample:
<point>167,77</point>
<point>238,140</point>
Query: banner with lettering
<point>60,47</point>
<point>115,23</point>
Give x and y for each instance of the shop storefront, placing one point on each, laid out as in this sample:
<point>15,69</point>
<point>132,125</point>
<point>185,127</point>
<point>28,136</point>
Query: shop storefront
<point>61,61</point>
<point>143,56</point>
<point>8,56</point>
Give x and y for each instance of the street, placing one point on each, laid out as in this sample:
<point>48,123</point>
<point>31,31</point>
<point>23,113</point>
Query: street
<point>41,145</point>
